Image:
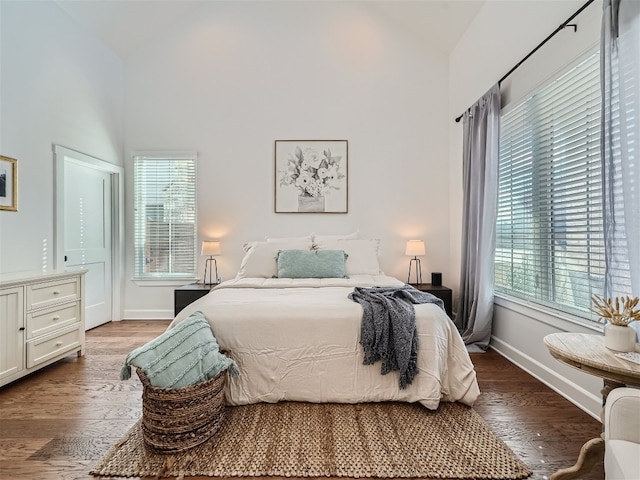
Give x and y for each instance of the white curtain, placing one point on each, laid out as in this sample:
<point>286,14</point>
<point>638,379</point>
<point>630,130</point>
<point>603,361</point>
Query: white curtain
<point>620,144</point>
<point>480,200</point>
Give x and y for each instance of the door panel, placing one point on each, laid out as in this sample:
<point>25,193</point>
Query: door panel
<point>87,236</point>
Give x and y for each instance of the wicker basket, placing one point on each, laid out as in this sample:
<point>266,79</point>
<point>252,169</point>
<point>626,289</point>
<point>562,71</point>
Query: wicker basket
<point>176,419</point>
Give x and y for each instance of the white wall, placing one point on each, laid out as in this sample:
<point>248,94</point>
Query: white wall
<point>501,35</point>
<point>234,77</point>
<point>58,84</point>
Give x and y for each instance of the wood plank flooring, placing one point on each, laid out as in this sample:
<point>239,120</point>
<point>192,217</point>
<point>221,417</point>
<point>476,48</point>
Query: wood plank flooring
<point>56,423</point>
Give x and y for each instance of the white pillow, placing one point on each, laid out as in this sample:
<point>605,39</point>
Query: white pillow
<point>306,238</point>
<point>260,257</point>
<point>363,254</point>
<point>325,238</point>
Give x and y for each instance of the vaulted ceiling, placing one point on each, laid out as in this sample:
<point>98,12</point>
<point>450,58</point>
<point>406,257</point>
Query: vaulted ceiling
<point>127,25</point>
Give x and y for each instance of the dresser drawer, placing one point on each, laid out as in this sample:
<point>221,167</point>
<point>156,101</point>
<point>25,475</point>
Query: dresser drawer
<point>42,349</point>
<point>41,295</point>
<point>48,320</point>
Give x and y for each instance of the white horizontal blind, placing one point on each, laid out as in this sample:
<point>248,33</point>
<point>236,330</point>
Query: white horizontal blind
<point>165,216</point>
<point>549,233</point>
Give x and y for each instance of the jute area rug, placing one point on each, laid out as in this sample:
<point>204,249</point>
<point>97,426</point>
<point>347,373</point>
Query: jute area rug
<point>384,440</point>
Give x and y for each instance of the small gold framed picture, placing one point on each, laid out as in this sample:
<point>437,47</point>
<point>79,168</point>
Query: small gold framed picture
<point>8,184</point>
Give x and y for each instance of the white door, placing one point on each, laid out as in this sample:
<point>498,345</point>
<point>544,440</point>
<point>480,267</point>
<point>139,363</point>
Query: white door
<point>87,235</point>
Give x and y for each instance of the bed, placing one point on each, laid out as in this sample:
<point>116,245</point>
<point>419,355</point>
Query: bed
<point>298,340</point>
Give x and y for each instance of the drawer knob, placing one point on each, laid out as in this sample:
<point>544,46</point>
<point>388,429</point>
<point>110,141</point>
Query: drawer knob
<point>56,292</point>
<point>56,318</point>
<point>22,329</point>
<point>58,344</point>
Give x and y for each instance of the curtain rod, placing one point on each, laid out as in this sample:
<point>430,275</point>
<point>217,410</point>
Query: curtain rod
<point>562,26</point>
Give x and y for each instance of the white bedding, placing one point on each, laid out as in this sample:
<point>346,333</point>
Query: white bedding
<point>298,340</point>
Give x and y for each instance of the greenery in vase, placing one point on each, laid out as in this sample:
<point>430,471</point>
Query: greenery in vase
<point>619,311</point>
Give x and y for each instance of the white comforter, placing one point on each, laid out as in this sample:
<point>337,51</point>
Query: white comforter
<point>298,340</point>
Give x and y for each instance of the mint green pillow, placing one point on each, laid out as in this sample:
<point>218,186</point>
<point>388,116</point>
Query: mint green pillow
<point>311,264</point>
<point>183,355</point>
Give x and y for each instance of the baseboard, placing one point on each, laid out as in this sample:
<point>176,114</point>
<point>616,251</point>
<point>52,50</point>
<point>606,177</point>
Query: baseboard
<point>583,399</point>
<point>148,315</point>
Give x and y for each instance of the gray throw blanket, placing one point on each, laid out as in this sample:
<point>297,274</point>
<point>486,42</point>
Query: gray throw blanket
<point>388,329</point>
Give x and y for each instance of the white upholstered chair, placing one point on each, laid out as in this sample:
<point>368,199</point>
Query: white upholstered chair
<point>622,434</point>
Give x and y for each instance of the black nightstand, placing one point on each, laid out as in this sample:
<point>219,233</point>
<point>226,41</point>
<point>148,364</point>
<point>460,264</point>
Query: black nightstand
<point>183,296</point>
<point>444,293</point>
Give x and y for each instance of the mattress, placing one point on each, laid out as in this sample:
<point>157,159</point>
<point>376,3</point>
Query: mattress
<point>298,340</point>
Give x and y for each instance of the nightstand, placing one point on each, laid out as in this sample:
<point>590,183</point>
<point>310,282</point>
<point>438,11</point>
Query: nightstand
<point>443,293</point>
<point>183,296</point>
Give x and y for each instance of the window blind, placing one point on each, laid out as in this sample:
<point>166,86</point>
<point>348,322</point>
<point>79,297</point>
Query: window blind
<point>549,231</point>
<point>165,216</point>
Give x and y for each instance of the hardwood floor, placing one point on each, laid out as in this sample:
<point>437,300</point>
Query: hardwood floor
<point>543,428</point>
<point>56,423</point>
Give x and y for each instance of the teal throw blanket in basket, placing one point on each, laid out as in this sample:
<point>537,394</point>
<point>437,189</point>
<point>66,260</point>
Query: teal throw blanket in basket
<point>183,355</point>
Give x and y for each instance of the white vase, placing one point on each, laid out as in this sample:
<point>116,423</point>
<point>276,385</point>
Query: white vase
<point>619,338</point>
<point>310,204</point>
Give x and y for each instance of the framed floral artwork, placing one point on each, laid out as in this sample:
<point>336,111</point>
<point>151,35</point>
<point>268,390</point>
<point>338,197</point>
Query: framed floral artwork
<point>311,176</point>
<point>8,184</point>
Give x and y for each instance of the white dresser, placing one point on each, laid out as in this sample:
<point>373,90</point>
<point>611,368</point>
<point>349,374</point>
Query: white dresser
<point>41,321</point>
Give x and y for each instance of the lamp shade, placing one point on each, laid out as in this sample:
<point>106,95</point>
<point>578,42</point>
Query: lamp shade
<point>211,248</point>
<point>415,248</point>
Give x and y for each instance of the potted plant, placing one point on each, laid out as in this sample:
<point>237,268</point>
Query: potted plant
<point>618,313</point>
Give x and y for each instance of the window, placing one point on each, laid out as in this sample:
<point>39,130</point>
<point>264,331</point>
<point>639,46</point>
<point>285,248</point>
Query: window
<point>165,216</point>
<point>549,233</point>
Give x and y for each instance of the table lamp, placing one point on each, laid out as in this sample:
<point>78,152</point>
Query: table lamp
<point>211,248</point>
<point>414,249</point>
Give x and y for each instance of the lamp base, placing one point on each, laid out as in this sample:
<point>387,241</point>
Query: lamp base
<point>207,264</point>
<point>418,271</point>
